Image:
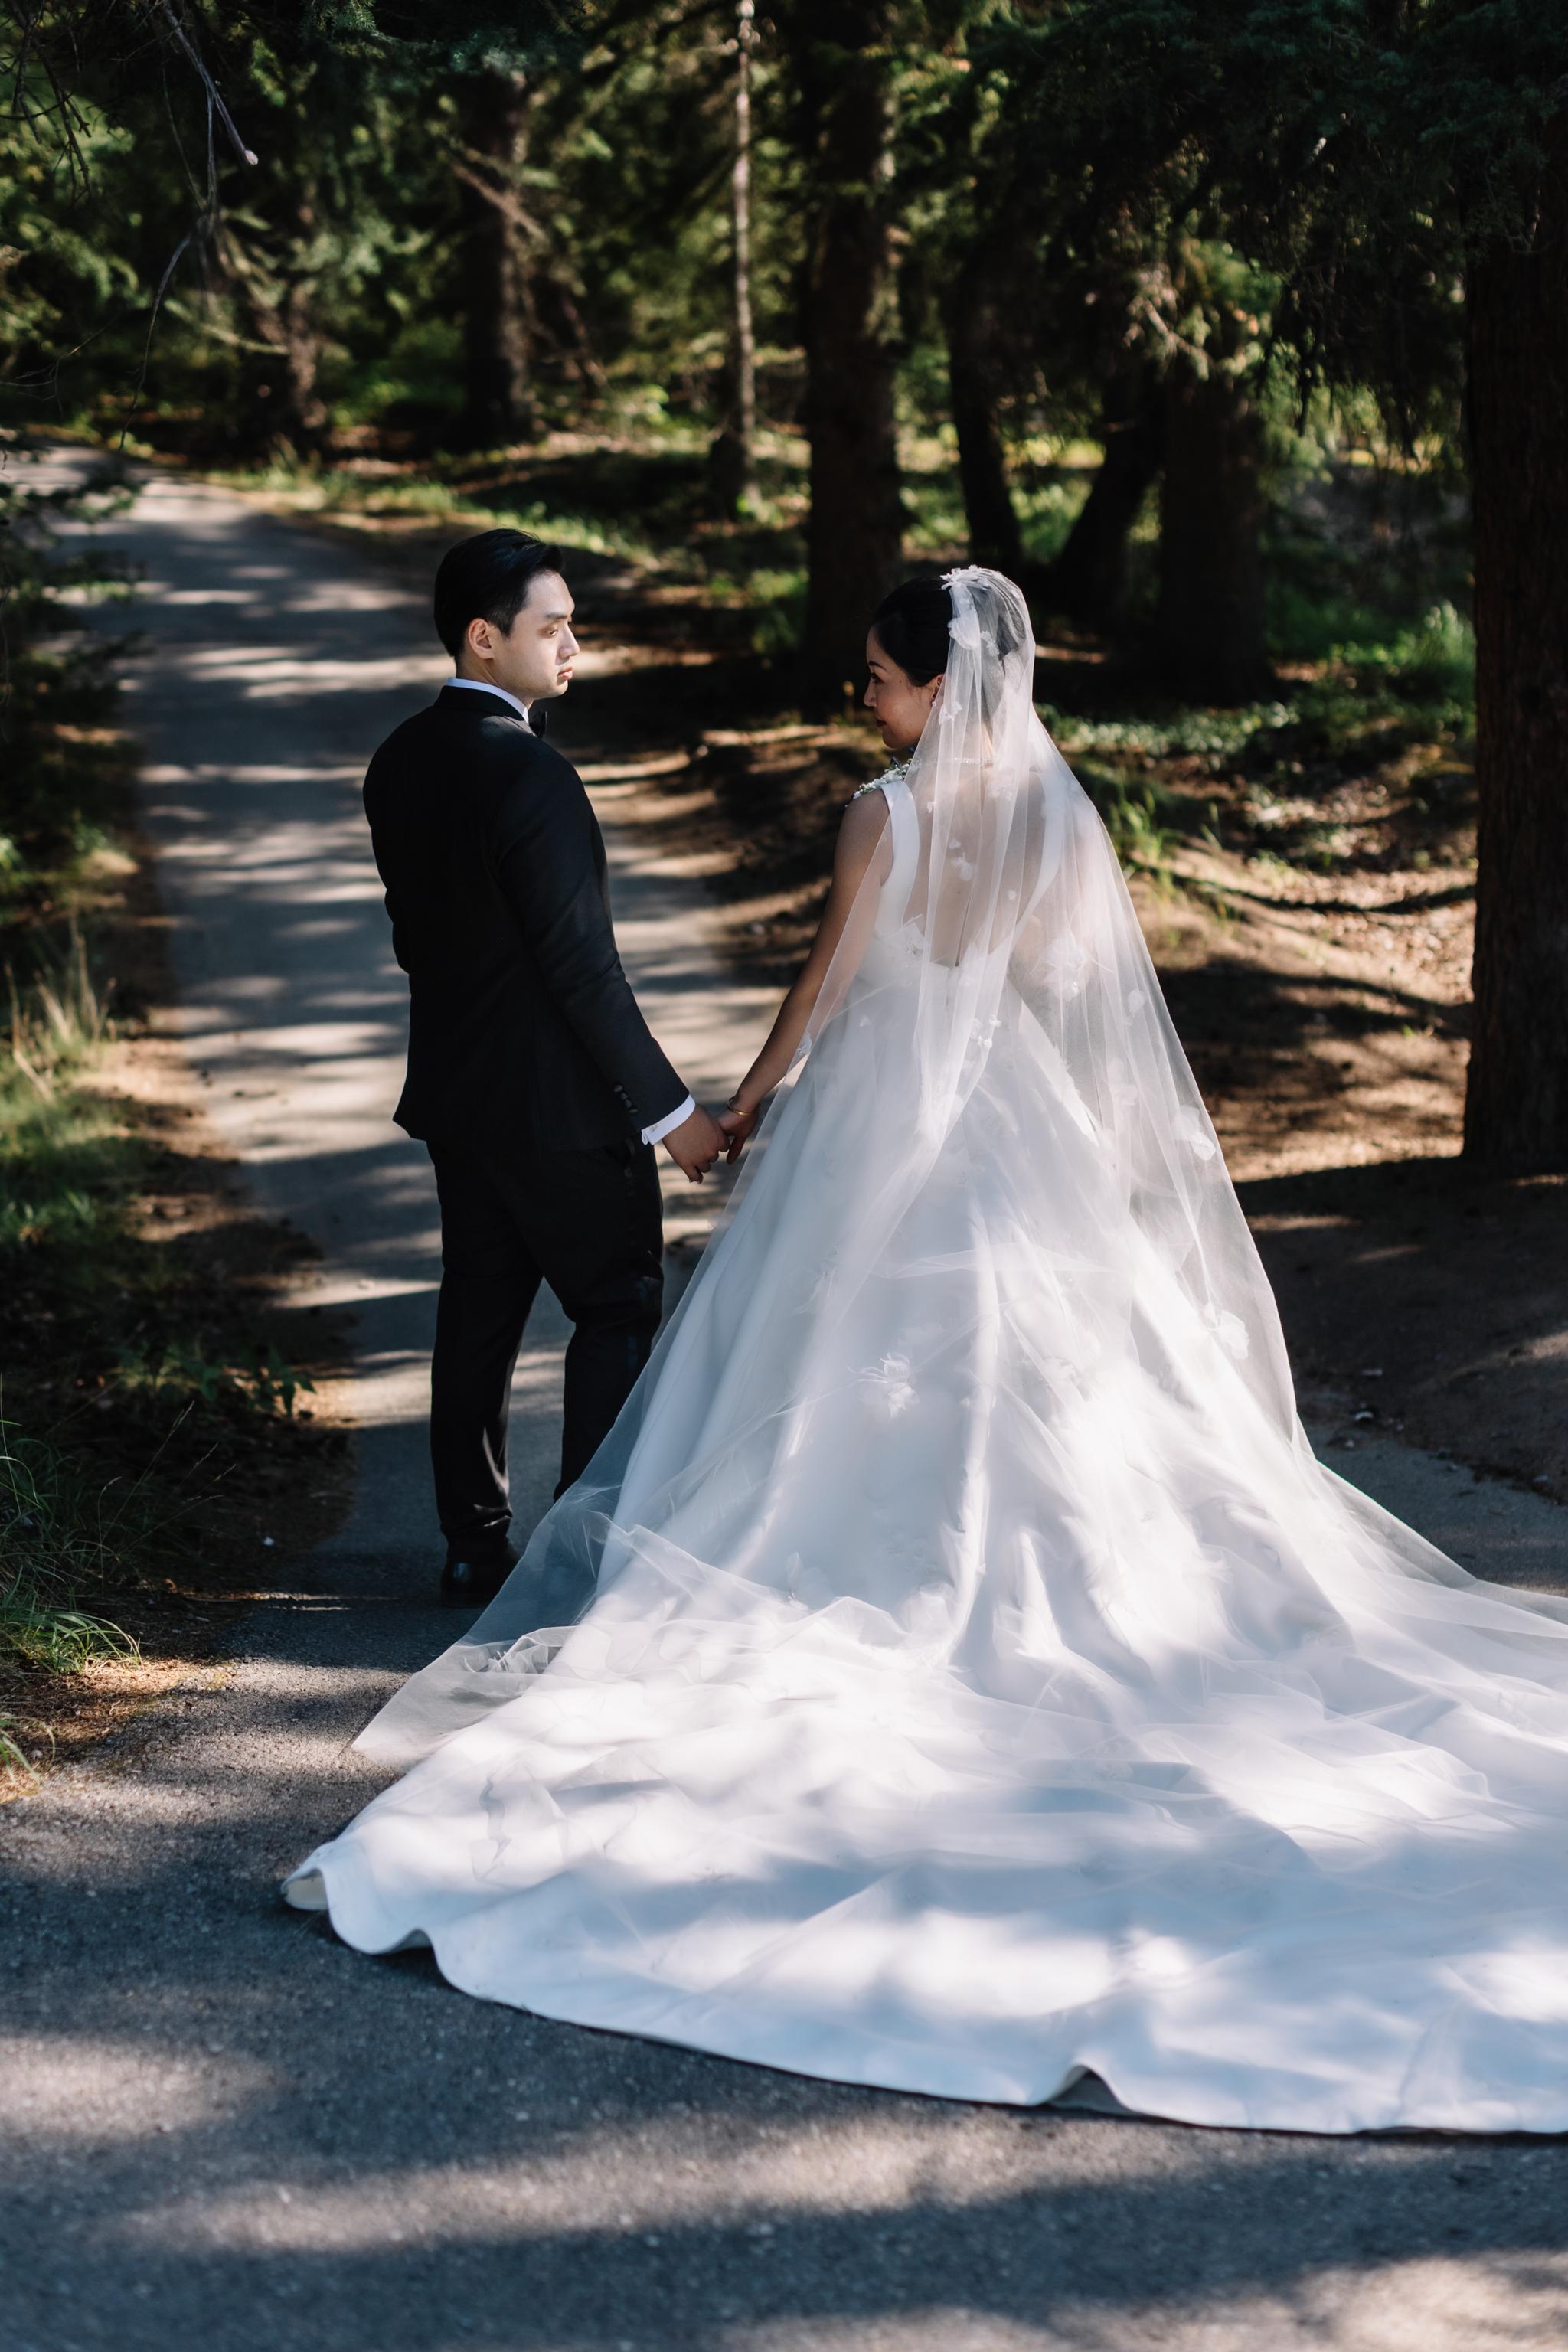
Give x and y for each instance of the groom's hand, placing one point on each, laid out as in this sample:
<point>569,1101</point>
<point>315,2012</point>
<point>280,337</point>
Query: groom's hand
<point>696,1144</point>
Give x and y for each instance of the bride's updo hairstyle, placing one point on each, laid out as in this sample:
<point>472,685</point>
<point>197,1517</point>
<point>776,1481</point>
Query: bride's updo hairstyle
<point>914,628</point>
<point>913,623</point>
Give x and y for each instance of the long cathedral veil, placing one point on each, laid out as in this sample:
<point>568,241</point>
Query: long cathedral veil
<point>992,985</point>
<point>1018,909</point>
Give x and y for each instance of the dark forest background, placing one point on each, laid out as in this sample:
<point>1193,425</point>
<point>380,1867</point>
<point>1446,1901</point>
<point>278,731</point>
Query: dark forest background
<point>1236,330</point>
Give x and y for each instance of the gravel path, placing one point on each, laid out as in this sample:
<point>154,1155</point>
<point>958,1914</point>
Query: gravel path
<point>221,2127</point>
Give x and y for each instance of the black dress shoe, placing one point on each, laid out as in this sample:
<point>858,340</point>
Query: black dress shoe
<point>474,1583</point>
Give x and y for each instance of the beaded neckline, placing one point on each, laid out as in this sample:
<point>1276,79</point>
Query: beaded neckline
<point>893,775</point>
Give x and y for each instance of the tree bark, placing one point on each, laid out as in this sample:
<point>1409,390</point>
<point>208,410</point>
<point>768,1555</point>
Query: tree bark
<point>285,315</point>
<point>989,511</point>
<point>1208,629</point>
<point>1516,1102</point>
<point>497,404</point>
<point>1088,580</point>
<point>855,534</point>
<point>302,412</point>
<point>733,459</point>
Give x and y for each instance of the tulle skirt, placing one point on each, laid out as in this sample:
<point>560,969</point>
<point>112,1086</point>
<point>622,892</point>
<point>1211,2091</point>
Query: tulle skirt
<point>956,1674</point>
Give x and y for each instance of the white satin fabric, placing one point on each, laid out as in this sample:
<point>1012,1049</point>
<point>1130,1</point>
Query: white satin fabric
<point>956,1673</point>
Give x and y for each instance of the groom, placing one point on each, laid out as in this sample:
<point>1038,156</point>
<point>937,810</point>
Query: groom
<point>533,1080</point>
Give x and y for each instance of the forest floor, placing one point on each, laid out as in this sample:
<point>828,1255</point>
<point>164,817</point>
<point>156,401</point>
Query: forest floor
<point>1304,869</point>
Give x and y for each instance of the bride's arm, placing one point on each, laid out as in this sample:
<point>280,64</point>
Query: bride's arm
<point>862,837</point>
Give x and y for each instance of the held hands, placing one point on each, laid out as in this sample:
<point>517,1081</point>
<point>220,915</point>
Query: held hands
<point>701,1140</point>
<point>737,1125</point>
<point>696,1144</point>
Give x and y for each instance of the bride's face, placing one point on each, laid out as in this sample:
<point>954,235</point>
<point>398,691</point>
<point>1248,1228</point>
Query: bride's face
<point>899,706</point>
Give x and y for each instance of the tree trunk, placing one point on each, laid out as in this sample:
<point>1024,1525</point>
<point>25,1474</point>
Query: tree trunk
<point>1088,581</point>
<point>992,523</point>
<point>733,459</point>
<point>498,405</point>
<point>855,533</point>
<point>1208,628</point>
<point>284,315</point>
<point>1516,1104</point>
<point>301,416</point>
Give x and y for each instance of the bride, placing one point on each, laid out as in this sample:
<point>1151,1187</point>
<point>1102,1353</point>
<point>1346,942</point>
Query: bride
<point>955,1672</point>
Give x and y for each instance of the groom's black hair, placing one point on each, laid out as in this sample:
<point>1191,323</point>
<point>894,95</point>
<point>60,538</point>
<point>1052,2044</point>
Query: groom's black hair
<point>913,624</point>
<point>487,578</point>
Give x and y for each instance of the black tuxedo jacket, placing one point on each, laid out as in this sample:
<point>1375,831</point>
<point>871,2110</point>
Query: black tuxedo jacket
<point>522,1027</point>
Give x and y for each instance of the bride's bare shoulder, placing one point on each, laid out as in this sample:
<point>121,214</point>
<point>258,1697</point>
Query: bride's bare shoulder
<point>861,830</point>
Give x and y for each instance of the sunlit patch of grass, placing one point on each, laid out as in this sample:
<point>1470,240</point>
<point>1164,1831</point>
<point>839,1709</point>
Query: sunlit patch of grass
<point>63,1179</point>
<point>53,1639</point>
<point>1432,663</point>
<point>1186,733</point>
<point>1132,810</point>
<point>59,1016</point>
<point>1369,702</point>
<point>16,1764</point>
<point>777,601</point>
<point>61,1531</point>
<point>1046,513</point>
<point>262,1381</point>
<point>382,493</point>
<point>68,1180</point>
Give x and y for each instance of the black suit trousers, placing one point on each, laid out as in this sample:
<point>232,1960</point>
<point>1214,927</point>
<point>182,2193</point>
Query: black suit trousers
<point>588,1223</point>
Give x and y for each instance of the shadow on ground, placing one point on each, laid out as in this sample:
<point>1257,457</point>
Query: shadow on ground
<point>1368,1265</point>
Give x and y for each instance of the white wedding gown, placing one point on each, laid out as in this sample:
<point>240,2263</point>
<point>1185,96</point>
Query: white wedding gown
<point>964,1678</point>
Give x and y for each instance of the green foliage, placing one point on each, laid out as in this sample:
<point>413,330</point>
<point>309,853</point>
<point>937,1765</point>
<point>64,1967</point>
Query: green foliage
<point>323,285</point>
<point>181,1368</point>
<point>95,1302</point>
<point>1133,810</point>
<point>13,1758</point>
<point>61,1016</point>
<point>1431,666</point>
<point>777,602</point>
<point>60,1531</point>
<point>122,1337</point>
<point>1369,698</point>
<point>1287,191</point>
<point>1218,737</point>
<point>60,773</point>
<point>64,1178</point>
<point>1362,156</point>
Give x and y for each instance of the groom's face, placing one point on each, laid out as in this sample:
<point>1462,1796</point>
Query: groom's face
<point>533,659</point>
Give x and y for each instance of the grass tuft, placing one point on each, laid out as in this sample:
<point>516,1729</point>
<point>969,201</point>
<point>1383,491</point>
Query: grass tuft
<point>266,1382</point>
<point>59,1531</point>
<point>61,1016</point>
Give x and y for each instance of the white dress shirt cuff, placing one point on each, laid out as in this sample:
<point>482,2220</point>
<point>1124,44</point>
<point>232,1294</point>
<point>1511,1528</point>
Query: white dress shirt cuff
<point>663,1127</point>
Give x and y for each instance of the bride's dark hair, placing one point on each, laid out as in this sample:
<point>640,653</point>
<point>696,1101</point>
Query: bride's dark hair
<point>912,623</point>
